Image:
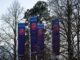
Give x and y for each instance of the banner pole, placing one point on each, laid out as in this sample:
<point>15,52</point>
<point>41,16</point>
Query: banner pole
<point>16,28</point>
<point>36,57</point>
<point>29,41</point>
<point>30,46</point>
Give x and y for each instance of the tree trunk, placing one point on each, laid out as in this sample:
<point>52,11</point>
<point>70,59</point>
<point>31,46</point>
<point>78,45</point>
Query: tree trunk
<point>14,48</point>
<point>78,24</point>
<point>70,46</point>
<point>15,35</point>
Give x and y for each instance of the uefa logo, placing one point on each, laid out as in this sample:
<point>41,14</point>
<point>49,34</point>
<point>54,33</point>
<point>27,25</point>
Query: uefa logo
<point>33,26</point>
<point>22,31</point>
<point>55,28</point>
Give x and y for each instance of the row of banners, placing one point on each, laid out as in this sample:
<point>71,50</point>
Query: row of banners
<point>37,37</point>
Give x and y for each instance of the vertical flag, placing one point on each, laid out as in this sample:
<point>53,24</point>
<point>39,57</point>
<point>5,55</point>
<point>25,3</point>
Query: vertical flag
<point>33,33</point>
<point>21,38</point>
<point>40,38</point>
<point>55,36</point>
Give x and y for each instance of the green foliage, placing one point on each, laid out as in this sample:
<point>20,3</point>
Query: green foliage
<point>39,9</point>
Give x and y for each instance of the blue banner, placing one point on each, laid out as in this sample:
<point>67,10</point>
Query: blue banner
<point>40,38</point>
<point>21,39</point>
<point>55,36</point>
<point>33,34</point>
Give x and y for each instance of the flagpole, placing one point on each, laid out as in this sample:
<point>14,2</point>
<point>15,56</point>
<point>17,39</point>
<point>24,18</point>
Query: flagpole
<point>29,40</point>
<point>30,44</point>
<point>36,57</point>
<point>17,40</point>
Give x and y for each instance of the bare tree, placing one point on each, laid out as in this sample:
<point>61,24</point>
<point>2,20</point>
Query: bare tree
<point>10,20</point>
<point>65,11</point>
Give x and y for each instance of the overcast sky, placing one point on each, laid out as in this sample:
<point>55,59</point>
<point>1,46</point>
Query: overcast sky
<point>27,4</point>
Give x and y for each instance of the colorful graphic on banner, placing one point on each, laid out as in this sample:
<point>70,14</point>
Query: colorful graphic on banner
<point>55,36</point>
<point>33,34</point>
<point>40,38</point>
<point>21,39</point>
